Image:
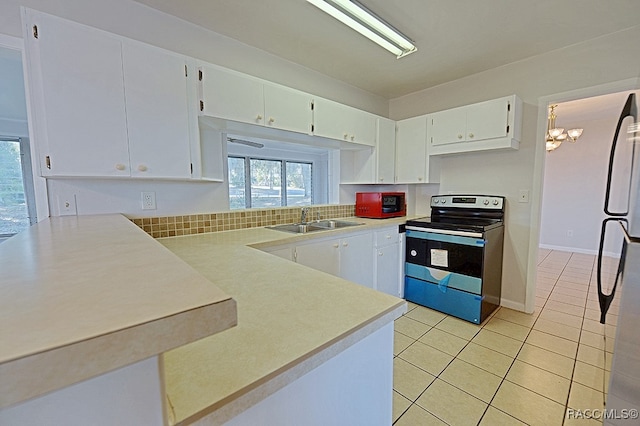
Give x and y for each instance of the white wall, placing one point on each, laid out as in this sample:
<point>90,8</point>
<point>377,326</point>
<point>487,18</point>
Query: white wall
<point>605,60</point>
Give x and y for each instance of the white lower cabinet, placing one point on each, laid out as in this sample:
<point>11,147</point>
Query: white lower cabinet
<point>388,262</point>
<point>372,258</point>
<point>322,255</point>
<point>348,257</point>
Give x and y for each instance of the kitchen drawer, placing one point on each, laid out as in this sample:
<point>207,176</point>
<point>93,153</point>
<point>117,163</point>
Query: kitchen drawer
<point>386,236</point>
<point>453,302</point>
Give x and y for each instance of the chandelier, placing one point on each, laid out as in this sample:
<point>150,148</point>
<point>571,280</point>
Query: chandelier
<point>556,135</point>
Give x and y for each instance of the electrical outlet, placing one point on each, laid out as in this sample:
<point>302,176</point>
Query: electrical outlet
<point>67,205</point>
<point>524,196</point>
<point>148,200</point>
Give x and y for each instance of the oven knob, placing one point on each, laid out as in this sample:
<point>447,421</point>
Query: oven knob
<point>495,202</point>
<point>443,200</point>
<point>486,202</point>
<point>414,253</point>
<point>436,201</point>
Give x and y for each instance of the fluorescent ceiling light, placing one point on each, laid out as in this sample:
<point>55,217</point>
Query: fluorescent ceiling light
<point>361,19</point>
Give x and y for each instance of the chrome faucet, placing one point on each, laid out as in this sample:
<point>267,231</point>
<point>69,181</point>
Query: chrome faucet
<point>303,214</point>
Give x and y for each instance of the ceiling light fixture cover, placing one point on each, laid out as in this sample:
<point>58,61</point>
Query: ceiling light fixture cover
<point>358,17</point>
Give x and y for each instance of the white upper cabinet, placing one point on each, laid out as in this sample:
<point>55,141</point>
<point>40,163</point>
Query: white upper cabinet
<point>413,164</point>
<point>287,109</point>
<point>493,124</point>
<point>157,112</point>
<point>385,150</point>
<point>231,95</point>
<point>334,120</point>
<point>77,98</point>
<point>368,164</point>
<point>238,97</point>
<point>104,106</point>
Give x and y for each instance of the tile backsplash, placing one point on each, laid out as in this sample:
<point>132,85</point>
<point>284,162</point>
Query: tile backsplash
<point>171,226</point>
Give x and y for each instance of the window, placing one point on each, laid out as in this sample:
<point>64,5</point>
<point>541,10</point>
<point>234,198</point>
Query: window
<point>264,183</point>
<point>16,187</point>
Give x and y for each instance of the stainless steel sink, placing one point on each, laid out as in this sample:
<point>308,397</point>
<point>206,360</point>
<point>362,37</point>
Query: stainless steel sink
<point>319,225</point>
<point>298,228</point>
<point>333,224</point>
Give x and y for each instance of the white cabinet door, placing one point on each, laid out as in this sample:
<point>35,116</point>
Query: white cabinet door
<point>77,98</point>
<point>488,120</point>
<point>387,265</point>
<point>448,126</point>
<point>157,112</point>
<point>385,150</point>
<point>287,109</point>
<point>321,255</point>
<point>411,150</point>
<point>231,95</point>
<point>356,263</point>
<point>337,121</point>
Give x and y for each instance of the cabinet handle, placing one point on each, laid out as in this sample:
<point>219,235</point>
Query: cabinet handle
<point>142,168</point>
<point>258,117</point>
<point>346,136</point>
<point>419,179</point>
<point>381,179</point>
<point>471,135</point>
<point>345,244</point>
<point>459,135</point>
<point>380,253</point>
<point>336,245</point>
<point>388,237</point>
<point>353,137</point>
<point>120,167</point>
<point>271,120</point>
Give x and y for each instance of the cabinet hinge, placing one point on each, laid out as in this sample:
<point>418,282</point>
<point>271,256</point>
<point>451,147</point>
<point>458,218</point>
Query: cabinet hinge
<point>35,31</point>
<point>507,129</point>
<point>47,162</point>
<point>508,106</point>
<point>186,74</point>
<point>191,166</point>
<point>199,75</point>
<point>201,105</point>
<point>312,105</point>
<point>312,128</point>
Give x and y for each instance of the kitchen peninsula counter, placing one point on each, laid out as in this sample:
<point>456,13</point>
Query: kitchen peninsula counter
<point>290,320</point>
<point>85,295</point>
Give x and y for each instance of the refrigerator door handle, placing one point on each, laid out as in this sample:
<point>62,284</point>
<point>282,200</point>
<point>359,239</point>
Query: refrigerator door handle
<point>606,299</point>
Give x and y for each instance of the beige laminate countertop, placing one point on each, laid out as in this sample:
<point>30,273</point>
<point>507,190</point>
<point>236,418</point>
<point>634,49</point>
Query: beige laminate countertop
<point>84,295</point>
<point>290,319</point>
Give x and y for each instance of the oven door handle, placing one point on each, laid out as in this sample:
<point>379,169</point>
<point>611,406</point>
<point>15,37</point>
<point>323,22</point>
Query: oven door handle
<point>446,231</point>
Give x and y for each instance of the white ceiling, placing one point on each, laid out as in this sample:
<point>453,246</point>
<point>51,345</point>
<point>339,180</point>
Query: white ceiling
<point>455,38</point>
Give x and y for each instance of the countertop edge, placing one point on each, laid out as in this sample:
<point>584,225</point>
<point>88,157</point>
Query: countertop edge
<point>111,351</point>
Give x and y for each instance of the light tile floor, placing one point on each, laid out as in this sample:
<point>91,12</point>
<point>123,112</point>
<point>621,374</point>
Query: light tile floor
<point>515,368</point>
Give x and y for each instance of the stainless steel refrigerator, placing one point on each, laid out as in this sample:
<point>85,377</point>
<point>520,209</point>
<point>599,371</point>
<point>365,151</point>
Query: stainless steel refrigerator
<point>619,280</point>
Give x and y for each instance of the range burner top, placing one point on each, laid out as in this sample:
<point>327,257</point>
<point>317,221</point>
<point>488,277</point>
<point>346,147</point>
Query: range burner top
<point>456,223</point>
<point>462,213</point>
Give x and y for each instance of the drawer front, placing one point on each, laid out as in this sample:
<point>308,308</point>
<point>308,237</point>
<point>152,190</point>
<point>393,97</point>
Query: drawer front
<point>444,279</point>
<point>454,302</point>
<point>386,237</point>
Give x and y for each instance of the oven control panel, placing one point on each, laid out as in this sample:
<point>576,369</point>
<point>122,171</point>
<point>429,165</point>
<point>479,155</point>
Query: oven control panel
<point>493,202</point>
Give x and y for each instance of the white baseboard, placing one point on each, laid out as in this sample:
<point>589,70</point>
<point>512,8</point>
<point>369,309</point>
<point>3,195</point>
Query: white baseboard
<point>579,250</point>
<point>516,306</point>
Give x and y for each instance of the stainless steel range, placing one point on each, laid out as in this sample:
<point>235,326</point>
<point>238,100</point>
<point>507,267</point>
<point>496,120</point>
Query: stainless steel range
<point>454,258</point>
